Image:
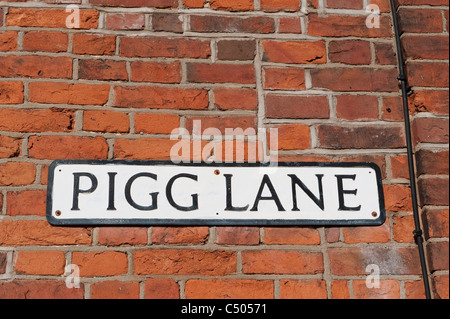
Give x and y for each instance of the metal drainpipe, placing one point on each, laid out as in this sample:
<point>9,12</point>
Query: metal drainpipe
<point>418,233</point>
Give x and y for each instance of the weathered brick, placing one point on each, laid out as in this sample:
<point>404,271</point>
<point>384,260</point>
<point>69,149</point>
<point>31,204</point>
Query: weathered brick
<point>164,47</point>
<point>107,70</point>
<point>291,236</point>
<point>69,147</point>
<point>235,99</point>
<point>17,173</point>
<point>220,73</point>
<point>46,41</point>
<point>210,23</point>
<point>301,52</point>
<point>162,4</point>
<point>64,93</point>
<point>297,106</point>
<point>35,66</point>
<point>282,262</point>
<point>236,50</point>
<point>49,18</point>
<point>389,289</point>
<point>10,146</point>
<point>156,72</point>
<point>126,236</point>
<point>350,52</point>
<point>179,235</point>
<point>157,123</point>
<point>125,21</point>
<point>161,288</point>
<point>93,44</point>
<point>161,98</point>
<point>11,92</point>
<point>184,262</point>
<point>29,202</point>
<point>101,263</point>
<point>39,289</point>
<point>40,232</point>
<point>229,289</point>
<point>24,120</point>
<point>237,235</point>
<point>40,262</point>
<point>115,290</point>
<point>303,289</point>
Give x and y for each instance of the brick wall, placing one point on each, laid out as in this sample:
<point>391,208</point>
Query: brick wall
<point>116,86</point>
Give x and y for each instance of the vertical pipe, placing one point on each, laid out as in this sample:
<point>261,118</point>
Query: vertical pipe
<point>412,178</point>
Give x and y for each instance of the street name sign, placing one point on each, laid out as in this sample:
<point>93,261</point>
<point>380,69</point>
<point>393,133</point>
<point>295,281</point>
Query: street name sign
<point>101,192</point>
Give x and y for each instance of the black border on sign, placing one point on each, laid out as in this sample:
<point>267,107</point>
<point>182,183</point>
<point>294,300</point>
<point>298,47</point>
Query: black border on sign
<point>212,222</point>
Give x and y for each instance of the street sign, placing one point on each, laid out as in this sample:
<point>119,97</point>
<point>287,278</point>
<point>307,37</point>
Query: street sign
<point>82,192</point>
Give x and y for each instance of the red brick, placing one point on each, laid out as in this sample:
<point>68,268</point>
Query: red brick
<point>414,290</point>
<point>237,236</point>
<point>357,107</point>
<point>290,25</point>
<point>385,54</point>
<point>220,73</point>
<point>379,160</point>
<point>434,191</point>
<point>107,70</point>
<point>64,93</point>
<point>93,44</point>
<point>232,5</point>
<point>303,289</point>
<point>437,222</point>
<point>101,263</point>
<point>67,147</point>
<point>167,22</point>
<point>40,262</point>
<point>125,21</point>
<point>156,72</point>
<point>235,99</point>
<point>301,52</point>
<point>284,78</point>
<point>10,146</point>
<point>344,4</point>
<point>162,4</point>
<point>429,101</point>
<point>280,5</point>
<point>397,198</point>
<point>210,23</point>
<point>229,289</point>
<point>438,255</point>
<point>164,47</point>
<point>39,289</point>
<point>115,290</point>
<point>282,262</point>
<point>354,137</point>
<point>46,41</point>
<point>355,79</point>
<point>3,257</point>
<point>340,289</point>
<point>23,120</point>
<point>17,173</point>
<point>428,74</point>
<point>40,232</point>
<point>425,47</point>
<point>368,234</point>
<point>184,262</point>
<point>392,109</point>
<point>389,289</point>
<point>35,66</point>
<point>221,123</point>
<point>11,93</point>
<point>161,98</point>
<point>431,130</point>
<point>161,288</point>
<point>413,20</point>
<point>440,287</point>
<point>391,260</point>
<point>193,3</point>
<point>297,106</point>
<point>106,121</point>
<point>180,235</point>
<point>156,149</point>
<point>291,236</point>
<point>236,50</point>
<point>293,137</point>
<point>433,162</point>
<point>122,236</point>
<point>350,52</point>
<point>49,18</point>
<point>157,123</point>
<point>399,166</point>
<point>344,26</point>
<point>402,228</point>
<point>28,202</point>
<point>8,40</point>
